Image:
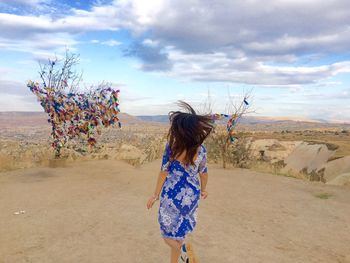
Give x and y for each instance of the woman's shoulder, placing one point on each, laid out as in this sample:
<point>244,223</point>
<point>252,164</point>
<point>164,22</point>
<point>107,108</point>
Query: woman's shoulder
<point>167,146</point>
<point>203,149</point>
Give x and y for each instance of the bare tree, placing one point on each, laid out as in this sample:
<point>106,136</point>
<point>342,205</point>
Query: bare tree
<point>59,75</point>
<point>225,137</point>
<point>72,114</point>
<point>207,106</point>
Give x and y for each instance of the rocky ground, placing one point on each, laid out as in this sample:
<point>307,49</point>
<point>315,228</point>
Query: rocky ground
<point>313,154</point>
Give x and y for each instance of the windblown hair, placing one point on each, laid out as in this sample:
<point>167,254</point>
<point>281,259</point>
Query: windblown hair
<point>187,132</point>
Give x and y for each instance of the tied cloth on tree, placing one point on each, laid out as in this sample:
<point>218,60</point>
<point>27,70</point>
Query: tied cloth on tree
<point>77,114</point>
<point>233,120</point>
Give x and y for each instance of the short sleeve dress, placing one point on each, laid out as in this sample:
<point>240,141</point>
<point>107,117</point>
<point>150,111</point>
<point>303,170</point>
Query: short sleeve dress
<point>180,195</point>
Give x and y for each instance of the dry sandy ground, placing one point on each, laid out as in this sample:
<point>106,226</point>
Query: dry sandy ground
<point>96,212</point>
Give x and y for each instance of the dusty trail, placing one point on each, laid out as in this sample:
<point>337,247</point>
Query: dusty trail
<point>96,212</point>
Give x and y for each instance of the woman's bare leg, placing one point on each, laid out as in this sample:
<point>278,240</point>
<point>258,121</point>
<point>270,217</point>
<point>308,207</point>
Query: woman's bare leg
<point>175,246</point>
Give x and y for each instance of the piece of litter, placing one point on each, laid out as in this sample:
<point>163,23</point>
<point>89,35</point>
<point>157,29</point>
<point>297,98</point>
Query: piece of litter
<point>19,212</point>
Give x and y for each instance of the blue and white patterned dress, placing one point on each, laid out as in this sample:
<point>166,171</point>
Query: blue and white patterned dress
<point>180,195</point>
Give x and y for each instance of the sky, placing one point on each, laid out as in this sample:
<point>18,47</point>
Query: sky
<point>292,55</point>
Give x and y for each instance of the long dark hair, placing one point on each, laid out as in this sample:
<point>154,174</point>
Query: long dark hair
<point>187,132</point>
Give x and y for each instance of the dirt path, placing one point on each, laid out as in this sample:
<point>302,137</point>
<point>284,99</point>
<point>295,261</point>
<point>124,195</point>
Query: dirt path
<point>95,212</point>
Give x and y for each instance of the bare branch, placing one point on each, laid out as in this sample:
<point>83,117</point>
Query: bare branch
<point>207,106</point>
<point>42,74</point>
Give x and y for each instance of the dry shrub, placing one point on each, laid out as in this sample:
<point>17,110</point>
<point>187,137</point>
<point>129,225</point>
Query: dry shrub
<point>35,151</point>
<point>314,175</point>
<point>6,163</point>
<point>237,154</point>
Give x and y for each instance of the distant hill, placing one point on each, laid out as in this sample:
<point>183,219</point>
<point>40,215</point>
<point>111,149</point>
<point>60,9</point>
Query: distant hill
<point>16,119</point>
<point>12,119</point>
<point>39,119</point>
<point>265,123</point>
<point>154,118</point>
<point>245,120</point>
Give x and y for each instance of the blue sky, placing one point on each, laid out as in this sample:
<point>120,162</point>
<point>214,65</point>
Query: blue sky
<point>293,54</point>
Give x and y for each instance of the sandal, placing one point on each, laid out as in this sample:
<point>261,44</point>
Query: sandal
<point>183,256</point>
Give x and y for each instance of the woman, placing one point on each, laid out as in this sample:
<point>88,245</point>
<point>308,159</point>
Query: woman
<point>182,179</point>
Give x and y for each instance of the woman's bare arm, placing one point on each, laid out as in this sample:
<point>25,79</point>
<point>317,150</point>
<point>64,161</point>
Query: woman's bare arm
<point>161,179</point>
<point>204,180</point>
<point>160,182</point>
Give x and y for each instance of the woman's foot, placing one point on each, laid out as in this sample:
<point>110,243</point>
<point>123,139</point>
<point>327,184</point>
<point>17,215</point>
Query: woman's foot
<point>190,254</point>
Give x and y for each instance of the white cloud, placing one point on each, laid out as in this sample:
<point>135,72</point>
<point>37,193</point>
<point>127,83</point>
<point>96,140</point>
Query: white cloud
<point>111,43</point>
<point>44,56</point>
<point>38,33</point>
<point>42,46</point>
<point>131,97</point>
<point>150,42</point>
<point>267,27</point>
<point>12,87</point>
<point>15,26</point>
<point>24,2</point>
<point>220,67</point>
<point>15,96</point>
<point>252,42</point>
<point>4,71</point>
<point>10,102</point>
